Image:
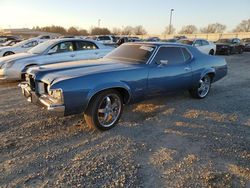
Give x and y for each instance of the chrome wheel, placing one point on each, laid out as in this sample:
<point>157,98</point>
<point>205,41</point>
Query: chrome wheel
<point>204,86</point>
<point>109,110</point>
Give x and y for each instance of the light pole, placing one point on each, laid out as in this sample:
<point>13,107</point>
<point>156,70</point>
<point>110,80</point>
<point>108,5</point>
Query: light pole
<point>170,23</point>
<point>99,23</point>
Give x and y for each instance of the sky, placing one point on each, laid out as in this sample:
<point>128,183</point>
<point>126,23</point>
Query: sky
<point>152,14</point>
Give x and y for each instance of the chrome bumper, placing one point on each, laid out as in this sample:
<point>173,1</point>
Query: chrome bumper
<point>2,74</point>
<point>43,100</point>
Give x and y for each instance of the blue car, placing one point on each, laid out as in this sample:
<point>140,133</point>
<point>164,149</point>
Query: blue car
<point>129,74</point>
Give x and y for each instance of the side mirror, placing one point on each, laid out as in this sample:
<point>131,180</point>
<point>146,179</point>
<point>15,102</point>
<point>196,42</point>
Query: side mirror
<point>162,63</point>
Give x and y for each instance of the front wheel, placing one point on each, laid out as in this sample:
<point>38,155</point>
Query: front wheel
<point>104,110</point>
<point>202,89</point>
<point>211,52</point>
<point>8,53</point>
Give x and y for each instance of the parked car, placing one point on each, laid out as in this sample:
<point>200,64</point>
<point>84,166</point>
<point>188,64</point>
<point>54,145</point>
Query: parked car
<point>203,45</point>
<point>6,38</point>
<point>10,43</point>
<point>107,39</point>
<point>130,73</point>
<point>246,42</point>
<point>173,40</point>
<point>123,40</point>
<point>51,51</point>
<point>153,39</point>
<point>229,46</point>
<point>19,47</point>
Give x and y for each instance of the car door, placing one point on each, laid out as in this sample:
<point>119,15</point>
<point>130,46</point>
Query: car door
<point>86,50</point>
<point>170,70</point>
<point>61,52</point>
<point>205,46</point>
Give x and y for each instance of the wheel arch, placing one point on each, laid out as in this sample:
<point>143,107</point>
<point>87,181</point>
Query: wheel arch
<point>210,72</point>
<point>123,89</point>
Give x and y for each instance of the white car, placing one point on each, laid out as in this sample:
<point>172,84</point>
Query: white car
<point>203,45</point>
<point>19,47</point>
<point>51,51</point>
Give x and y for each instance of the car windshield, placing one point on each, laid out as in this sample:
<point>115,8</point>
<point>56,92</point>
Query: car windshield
<point>224,41</point>
<point>40,48</point>
<point>188,42</point>
<point>132,53</point>
<point>21,43</point>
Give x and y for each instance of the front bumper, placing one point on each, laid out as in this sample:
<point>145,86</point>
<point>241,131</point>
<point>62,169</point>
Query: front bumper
<point>42,100</point>
<point>9,75</point>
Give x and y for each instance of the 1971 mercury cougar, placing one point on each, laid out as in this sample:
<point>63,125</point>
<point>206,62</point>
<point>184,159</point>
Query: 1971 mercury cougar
<point>130,73</point>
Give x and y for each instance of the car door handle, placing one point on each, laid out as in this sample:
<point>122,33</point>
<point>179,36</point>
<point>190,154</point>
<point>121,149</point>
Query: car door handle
<point>96,53</point>
<point>187,69</point>
<point>72,55</point>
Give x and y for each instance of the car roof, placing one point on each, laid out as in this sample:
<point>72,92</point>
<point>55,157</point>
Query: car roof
<point>159,44</point>
<point>71,39</point>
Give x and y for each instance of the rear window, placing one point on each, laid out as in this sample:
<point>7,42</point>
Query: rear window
<point>186,54</point>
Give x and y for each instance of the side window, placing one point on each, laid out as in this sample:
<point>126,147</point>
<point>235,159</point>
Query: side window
<point>204,42</point>
<point>85,45</point>
<point>198,43</point>
<point>172,54</point>
<point>62,47</point>
<point>186,54</point>
<point>45,37</point>
<point>31,44</point>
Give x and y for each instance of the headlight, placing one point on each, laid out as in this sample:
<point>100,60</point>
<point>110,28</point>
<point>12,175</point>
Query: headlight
<point>7,64</point>
<point>56,94</point>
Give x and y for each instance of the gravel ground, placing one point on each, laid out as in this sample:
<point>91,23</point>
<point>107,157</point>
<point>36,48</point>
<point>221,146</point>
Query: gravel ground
<point>173,141</point>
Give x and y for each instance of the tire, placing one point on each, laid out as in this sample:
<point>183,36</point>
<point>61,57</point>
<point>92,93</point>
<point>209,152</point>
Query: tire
<point>104,110</point>
<point>228,52</point>
<point>8,53</point>
<point>202,89</point>
<point>241,51</point>
<point>211,52</point>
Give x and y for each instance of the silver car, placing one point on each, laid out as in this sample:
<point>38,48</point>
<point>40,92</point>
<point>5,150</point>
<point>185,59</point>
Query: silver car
<point>51,51</point>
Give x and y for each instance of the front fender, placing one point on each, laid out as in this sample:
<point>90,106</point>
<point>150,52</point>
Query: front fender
<point>106,86</point>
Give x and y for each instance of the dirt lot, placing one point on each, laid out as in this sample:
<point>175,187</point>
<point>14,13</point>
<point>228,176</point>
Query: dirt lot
<point>173,141</point>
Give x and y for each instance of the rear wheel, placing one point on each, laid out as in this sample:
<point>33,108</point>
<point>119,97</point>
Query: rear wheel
<point>202,89</point>
<point>228,52</point>
<point>8,53</point>
<point>211,52</point>
<point>240,50</point>
<point>104,110</point>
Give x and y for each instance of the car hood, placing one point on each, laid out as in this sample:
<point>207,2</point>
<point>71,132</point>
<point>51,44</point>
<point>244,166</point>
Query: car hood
<point>57,72</point>
<point>15,57</point>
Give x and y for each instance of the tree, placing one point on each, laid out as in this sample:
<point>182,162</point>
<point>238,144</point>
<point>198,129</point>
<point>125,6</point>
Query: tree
<point>128,30</point>
<point>169,30</point>
<point>83,32</point>
<point>244,26</point>
<point>213,28</point>
<point>139,30</point>
<point>73,31</point>
<point>188,29</point>
<point>116,31</point>
<point>100,31</point>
